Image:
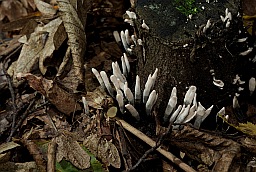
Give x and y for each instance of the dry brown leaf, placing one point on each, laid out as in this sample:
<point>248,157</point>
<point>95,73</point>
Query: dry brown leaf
<point>25,3</point>
<point>3,79</point>
<point>32,4</point>
<point>4,157</point>
<point>69,149</point>
<point>208,149</point>
<point>53,2</point>
<point>104,150</point>
<point>2,15</point>
<point>61,99</point>
<point>55,38</point>
<point>40,46</point>
<point>8,146</point>
<point>96,98</point>
<point>76,37</point>
<point>35,152</point>
<point>45,8</point>
<point>51,156</point>
<point>7,47</point>
<point>12,9</point>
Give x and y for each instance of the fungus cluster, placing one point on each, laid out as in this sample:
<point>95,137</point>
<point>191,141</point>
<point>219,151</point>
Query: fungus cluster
<point>117,87</point>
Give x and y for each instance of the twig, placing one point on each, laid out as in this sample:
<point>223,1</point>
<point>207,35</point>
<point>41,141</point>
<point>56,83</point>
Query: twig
<point>24,116</point>
<point>11,91</point>
<point>152,149</point>
<point>228,50</point>
<point>51,155</point>
<point>154,146</point>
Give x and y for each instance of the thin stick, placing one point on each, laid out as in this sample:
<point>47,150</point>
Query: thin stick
<point>51,156</point>
<point>9,79</point>
<point>152,143</point>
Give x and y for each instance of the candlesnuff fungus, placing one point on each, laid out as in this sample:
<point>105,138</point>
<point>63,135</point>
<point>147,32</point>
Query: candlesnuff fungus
<point>252,85</point>
<point>133,111</point>
<point>182,114</point>
<point>86,106</point>
<point>151,101</point>
<point>170,107</point>
<point>137,90</point>
<point>107,83</point>
<point>131,15</point>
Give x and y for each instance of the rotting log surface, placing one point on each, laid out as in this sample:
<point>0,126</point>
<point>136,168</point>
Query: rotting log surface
<point>183,65</point>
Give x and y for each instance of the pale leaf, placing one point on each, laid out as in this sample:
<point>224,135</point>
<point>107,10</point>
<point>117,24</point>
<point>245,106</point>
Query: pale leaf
<point>54,40</point>
<point>8,146</point>
<point>45,8</point>
<point>76,37</point>
<point>41,44</point>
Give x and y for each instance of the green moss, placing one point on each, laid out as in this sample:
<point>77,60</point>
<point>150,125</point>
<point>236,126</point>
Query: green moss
<point>186,7</point>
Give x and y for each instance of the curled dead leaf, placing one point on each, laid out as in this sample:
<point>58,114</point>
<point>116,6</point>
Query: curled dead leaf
<point>61,99</point>
<point>76,35</point>
<point>40,46</point>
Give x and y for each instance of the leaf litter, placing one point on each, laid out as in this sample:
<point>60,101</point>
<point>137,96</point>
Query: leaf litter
<point>51,64</point>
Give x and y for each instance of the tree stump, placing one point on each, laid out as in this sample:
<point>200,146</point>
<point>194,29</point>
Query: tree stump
<point>186,55</point>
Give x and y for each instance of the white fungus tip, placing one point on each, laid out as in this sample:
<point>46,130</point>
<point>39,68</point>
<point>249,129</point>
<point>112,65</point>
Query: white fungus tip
<point>133,111</point>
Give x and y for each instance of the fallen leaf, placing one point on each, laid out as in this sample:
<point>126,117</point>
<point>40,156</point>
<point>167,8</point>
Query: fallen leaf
<point>32,4</point>
<point>208,149</point>
<point>4,157</point>
<point>69,149</point>
<point>35,152</point>
<point>96,98</point>
<point>104,150</point>
<point>40,46</point>
<point>8,146</point>
<point>7,47</point>
<point>12,9</point>
<point>61,99</point>
<point>45,8</point>
<point>56,37</point>
<point>76,36</point>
